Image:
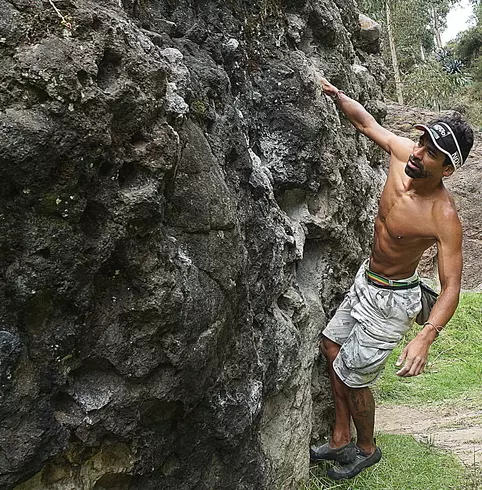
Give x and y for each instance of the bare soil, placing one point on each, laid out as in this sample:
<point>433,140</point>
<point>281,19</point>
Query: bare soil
<point>449,428</point>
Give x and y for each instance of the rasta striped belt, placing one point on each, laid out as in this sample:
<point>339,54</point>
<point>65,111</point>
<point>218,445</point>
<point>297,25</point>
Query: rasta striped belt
<point>385,283</point>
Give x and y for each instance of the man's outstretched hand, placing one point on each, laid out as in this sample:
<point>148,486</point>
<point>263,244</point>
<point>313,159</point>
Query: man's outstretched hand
<point>415,356</point>
<point>328,88</point>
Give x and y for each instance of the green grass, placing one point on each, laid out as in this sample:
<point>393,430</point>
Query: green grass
<point>454,368</point>
<point>405,465</point>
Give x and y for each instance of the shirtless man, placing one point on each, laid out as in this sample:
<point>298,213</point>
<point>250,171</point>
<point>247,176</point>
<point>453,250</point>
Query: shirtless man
<point>415,211</point>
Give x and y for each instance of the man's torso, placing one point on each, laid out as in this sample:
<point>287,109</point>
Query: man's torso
<point>405,225</point>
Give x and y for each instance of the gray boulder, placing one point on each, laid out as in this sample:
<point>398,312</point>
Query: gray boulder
<point>181,210</point>
<point>370,34</point>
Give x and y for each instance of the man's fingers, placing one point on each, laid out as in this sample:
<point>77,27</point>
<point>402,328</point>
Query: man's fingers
<point>407,366</point>
<point>402,357</point>
<point>412,367</point>
<point>403,372</point>
<point>326,84</point>
<point>327,87</point>
<point>417,368</point>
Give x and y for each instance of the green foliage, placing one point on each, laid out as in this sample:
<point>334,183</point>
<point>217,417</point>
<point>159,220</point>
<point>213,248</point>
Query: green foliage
<point>469,44</point>
<point>429,85</point>
<point>412,33</point>
<point>415,23</point>
<point>468,48</point>
<point>405,465</point>
<point>449,63</point>
<point>373,8</point>
<point>199,108</point>
<point>477,70</point>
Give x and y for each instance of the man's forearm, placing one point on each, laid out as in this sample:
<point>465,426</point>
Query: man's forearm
<point>354,111</point>
<point>441,313</point>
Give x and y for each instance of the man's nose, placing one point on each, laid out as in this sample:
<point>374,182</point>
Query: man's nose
<point>418,152</point>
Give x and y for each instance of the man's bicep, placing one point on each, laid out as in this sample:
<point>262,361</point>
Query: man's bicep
<point>378,134</point>
<point>398,146</point>
<point>450,269</point>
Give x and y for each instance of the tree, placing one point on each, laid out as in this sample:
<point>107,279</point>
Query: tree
<point>393,52</point>
<point>469,43</point>
<point>376,8</point>
<point>413,28</point>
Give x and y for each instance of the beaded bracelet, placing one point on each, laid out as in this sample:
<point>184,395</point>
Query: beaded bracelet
<point>337,95</point>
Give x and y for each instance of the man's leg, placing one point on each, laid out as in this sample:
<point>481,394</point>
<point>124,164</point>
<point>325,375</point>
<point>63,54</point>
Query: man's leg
<point>362,409</point>
<point>341,429</point>
<point>360,405</point>
<point>357,402</point>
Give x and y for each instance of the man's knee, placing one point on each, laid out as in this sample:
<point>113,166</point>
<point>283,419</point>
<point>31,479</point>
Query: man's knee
<point>329,349</point>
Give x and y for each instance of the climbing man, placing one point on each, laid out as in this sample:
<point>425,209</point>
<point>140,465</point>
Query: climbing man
<point>415,212</point>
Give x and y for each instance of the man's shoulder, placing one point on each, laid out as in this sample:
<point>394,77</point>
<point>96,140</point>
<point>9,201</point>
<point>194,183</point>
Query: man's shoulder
<point>400,150</point>
<point>444,210</point>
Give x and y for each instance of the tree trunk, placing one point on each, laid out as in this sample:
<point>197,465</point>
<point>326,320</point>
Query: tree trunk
<point>436,28</point>
<point>398,82</point>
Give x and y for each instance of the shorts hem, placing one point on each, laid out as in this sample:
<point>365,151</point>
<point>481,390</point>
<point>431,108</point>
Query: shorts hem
<point>365,385</point>
<point>330,338</point>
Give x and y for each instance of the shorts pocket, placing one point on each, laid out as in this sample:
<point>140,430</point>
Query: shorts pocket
<point>364,352</point>
<point>385,301</point>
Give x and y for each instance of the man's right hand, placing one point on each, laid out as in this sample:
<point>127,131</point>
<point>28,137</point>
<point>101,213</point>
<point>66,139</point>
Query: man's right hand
<point>328,88</point>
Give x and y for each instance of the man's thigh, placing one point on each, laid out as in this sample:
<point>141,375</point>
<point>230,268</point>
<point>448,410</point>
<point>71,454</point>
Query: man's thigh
<point>342,323</point>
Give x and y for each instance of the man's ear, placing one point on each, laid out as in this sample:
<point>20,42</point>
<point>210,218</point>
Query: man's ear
<point>448,170</point>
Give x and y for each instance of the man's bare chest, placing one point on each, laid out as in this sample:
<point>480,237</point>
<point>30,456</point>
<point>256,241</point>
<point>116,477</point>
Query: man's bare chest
<point>403,217</point>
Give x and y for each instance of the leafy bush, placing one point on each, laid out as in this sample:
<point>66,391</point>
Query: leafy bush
<point>430,85</point>
<point>469,43</point>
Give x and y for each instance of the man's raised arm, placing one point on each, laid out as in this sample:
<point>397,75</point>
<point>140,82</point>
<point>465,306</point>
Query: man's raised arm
<point>360,117</point>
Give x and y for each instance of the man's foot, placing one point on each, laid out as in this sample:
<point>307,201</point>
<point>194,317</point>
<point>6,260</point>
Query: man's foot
<point>359,463</point>
<point>343,454</point>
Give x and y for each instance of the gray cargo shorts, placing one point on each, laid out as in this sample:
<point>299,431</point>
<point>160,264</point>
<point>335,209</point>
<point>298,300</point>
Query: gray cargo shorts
<point>368,325</point>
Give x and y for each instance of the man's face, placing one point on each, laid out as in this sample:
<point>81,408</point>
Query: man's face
<point>425,161</point>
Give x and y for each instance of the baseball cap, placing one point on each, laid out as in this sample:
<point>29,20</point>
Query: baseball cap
<point>444,139</point>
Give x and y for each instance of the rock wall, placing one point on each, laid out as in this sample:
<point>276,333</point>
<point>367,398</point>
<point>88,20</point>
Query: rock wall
<point>180,211</point>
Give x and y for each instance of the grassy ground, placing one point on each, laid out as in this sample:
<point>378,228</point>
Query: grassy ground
<point>453,375</point>
<point>406,465</point>
<point>454,369</point>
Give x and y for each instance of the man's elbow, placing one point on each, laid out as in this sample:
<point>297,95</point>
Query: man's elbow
<point>451,292</point>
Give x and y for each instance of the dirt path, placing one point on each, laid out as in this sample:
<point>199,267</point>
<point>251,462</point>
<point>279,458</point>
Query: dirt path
<point>458,431</point>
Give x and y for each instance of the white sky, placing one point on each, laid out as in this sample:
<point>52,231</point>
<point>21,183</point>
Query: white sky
<point>457,20</point>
